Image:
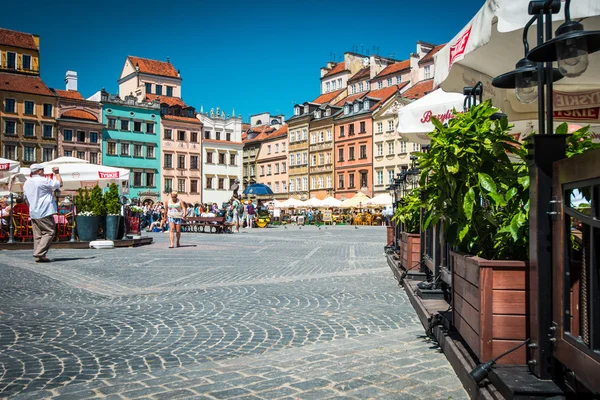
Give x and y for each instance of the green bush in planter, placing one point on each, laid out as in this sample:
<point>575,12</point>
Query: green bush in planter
<point>97,205</point>
<point>111,200</point>
<point>409,211</point>
<point>82,201</point>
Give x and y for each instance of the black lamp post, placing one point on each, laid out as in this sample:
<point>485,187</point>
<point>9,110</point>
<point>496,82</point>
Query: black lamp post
<point>533,78</point>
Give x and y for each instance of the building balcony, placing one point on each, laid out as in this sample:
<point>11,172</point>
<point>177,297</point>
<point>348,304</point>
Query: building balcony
<point>321,146</point>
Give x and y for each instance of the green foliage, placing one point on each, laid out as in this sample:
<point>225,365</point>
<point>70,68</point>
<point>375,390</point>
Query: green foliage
<point>111,200</point>
<point>409,211</point>
<point>475,177</point>
<point>578,141</point>
<point>82,201</point>
<point>96,202</point>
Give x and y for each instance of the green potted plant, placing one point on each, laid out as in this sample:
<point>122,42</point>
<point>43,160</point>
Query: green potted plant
<point>408,214</point>
<point>87,222</point>
<point>113,212</point>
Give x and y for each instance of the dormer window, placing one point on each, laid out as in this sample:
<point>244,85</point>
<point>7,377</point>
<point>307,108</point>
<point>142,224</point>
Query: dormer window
<point>368,86</point>
<point>366,104</point>
<point>360,87</point>
<point>317,114</point>
<point>346,109</point>
<point>356,107</point>
<point>296,110</point>
<point>190,113</point>
<point>306,109</point>
<point>328,112</point>
<point>164,109</point>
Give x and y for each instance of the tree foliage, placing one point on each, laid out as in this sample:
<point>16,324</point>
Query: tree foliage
<point>111,200</point>
<point>96,202</point>
<point>409,211</point>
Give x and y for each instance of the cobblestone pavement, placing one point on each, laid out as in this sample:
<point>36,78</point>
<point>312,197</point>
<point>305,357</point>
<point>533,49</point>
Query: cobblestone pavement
<point>269,313</point>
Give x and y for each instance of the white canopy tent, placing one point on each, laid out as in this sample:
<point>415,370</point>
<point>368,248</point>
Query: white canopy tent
<point>8,167</point>
<point>414,119</point>
<point>359,199</point>
<point>64,160</point>
<point>491,44</point>
<point>312,202</point>
<point>292,203</point>
<point>383,199</point>
<point>75,176</point>
<point>330,202</point>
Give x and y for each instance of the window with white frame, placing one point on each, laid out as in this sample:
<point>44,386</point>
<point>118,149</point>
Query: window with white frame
<point>416,147</point>
<point>356,107</point>
<point>276,187</point>
<point>402,147</point>
<point>368,85</point>
<point>298,184</point>
<point>321,137</point>
<point>269,149</point>
<point>379,149</point>
<point>28,154</point>
<point>390,148</point>
<point>334,85</point>
<point>328,158</point>
<point>276,168</point>
<point>389,82</point>
<point>269,169</point>
<point>329,135</point>
<point>305,158</point>
<point>313,138</point>
<point>390,176</point>
<point>321,159</point>
<point>346,109</point>
<point>380,177</point>
<point>390,125</point>
<point>366,104</point>
<point>305,183</point>
<point>329,182</point>
<point>379,127</point>
<point>313,160</point>
<point>283,187</point>
<point>125,149</point>
<point>314,183</point>
<point>320,182</point>
<point>292,157</point>
<point>379,85</point>
<point>398,79</point>
<point>297,110</point>
<point>304,134</point>
<point>262,170</point>
<point>340,83</point>
<point>360,87</point>
<point>327,87</point>
<point>276,147</point>
<point>292,185</point>
<point>427,71</point>
<point>283,167</point>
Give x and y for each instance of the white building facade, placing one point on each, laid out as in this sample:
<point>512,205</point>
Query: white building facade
<point>222,156</point>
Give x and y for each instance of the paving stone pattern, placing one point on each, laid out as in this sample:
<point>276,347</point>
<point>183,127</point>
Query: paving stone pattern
<point>266,314</point>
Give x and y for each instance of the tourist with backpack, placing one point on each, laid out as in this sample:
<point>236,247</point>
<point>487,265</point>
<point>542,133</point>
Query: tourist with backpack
<point>249,214</point>
<point>238,212</point>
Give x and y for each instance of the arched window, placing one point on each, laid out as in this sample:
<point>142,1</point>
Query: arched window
<point>259,122</point>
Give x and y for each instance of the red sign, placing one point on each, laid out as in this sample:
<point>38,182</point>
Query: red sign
<point>4,167</point>
<point>448,115</point>
<point>576,100</point>
<point>458,48</point>
<point>108,175</point>
<point>585,114</point>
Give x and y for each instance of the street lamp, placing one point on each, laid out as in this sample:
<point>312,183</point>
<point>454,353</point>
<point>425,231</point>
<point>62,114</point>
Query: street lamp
<point>570,47</point>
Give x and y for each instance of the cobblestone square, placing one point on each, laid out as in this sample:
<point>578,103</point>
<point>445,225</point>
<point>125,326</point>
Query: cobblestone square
<point>278,313</point>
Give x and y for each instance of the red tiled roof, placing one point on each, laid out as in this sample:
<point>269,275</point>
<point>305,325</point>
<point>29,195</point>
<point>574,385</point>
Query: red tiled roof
<point>170,101</point>
<point>432,52</point>
<point>220,141</point>
<point>17,39</point>
<point>181,119</point>
<point>327,97</point>
<point>264,130</point>
<point>350,99</point>
<point>283,131</point>
<point>244,136</point>
<point>69,94</point>
<point>394,68</point>
<point>362,74</point>
<point>154,67</point>
<point>24,84</point>
<point>245,127</point>
<point>79,114</point>
<point>335,70</point>
<point>385,93</point>
<point>419,90</point>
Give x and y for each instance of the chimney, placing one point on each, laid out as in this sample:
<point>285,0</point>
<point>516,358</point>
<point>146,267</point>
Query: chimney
<point>71,80</point>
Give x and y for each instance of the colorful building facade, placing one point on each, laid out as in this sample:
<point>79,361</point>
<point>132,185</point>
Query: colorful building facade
<point>79,123</point>
<point>271,162</point>
<point>130,139</point>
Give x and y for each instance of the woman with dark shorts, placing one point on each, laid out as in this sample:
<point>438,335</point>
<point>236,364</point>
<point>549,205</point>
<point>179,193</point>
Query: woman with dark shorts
<point>175,215</point>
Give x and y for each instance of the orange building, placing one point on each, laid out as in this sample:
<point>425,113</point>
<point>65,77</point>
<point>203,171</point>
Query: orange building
<point>353,130</point>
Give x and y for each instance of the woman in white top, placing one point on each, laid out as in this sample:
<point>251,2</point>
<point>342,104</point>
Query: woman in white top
<point>175,215</point>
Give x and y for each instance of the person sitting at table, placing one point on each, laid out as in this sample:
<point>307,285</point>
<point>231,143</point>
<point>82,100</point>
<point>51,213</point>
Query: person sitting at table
<point>4,211</point>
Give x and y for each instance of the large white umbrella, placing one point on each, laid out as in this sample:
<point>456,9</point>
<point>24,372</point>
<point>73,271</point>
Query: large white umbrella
<point>359,199</point>
<point>383,199</point>
<point>330,202</point>
<point>292,203</point>
<point>8,167</point>
<point>64,160</point>
<point>414,119</point>
<point>312,202</point>
<point>82,175</point>
<point>491,44</point>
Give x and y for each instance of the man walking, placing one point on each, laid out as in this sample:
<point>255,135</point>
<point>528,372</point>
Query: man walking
<point>238,212</point>
<point>38,191</point>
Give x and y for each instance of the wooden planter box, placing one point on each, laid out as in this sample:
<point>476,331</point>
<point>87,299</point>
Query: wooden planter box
<point>410,249</point>
<point>489,306</point>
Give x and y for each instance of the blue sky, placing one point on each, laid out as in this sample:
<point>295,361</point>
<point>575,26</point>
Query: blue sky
<point>252,56</point>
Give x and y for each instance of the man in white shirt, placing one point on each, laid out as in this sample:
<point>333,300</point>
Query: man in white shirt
<point>38,191</point>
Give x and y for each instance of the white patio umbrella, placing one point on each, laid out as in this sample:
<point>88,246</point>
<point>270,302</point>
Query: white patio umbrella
<point>312,202</point>
<point>292,203</point>
<point>355,201</point>
<point>414,119</point>
<point>8,167</point>
<point>330,202</point>
<point>64,160</point>
<point>491,44</point>
<point>383,199</point>
<point>82,175</point>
